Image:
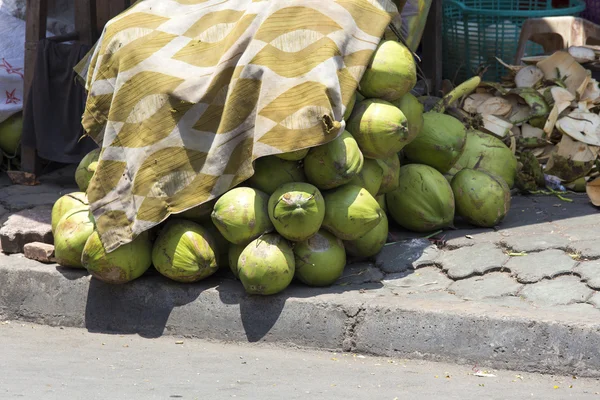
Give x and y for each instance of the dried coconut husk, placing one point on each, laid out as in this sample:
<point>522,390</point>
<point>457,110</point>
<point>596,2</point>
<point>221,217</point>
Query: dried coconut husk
<point>571,160</point>
<point>581,126</point>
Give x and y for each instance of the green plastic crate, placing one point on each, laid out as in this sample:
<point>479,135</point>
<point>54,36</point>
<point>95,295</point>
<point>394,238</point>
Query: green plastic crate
<point>477,31</point>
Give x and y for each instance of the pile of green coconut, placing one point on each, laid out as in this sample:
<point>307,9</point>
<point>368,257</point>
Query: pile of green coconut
<point>301,214</point>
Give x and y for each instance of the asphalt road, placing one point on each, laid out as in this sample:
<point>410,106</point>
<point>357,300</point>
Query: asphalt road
<point>39,363</point>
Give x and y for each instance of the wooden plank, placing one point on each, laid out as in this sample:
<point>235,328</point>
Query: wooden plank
<point>85,21</point>
<point>35,31</point>
<point>108,9</point>
<point>432,47</point>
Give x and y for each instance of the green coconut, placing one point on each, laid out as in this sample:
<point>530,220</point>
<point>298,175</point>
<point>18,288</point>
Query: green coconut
<point>350,212</point>
<point>266,266</point>
<point>412,109</point>
<point>67,203</point>
<point>440,143</point>
<point>272,172</point>
<point>578,185</point>
<point>70,236</point>
<point>293,155</point>
<point>370,177</point>
<point>487,152</point>
<point>235,250</point>
<point>382,203</point>
<point>126,263</point>
<point>371,243</point>
<point>423,201</point>
<point>482,198</point>
<point>199,214</point>
<point>185,252</point>
<point>391,73</point>
<point>320,260</point>
<point>350,107</point>
<point>241,215</point>
<point>335,163</point>
<point>297,210</point>
<point>86,169</point>
<point>391,172</point>
<point>10,134</point>
<point>379,127</point>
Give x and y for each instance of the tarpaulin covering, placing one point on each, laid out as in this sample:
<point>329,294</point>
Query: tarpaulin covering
<point>185,94</point>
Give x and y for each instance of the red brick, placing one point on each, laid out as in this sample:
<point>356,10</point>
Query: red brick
<point>42,252</point>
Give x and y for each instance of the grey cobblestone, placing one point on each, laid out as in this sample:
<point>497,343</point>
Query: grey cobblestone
<point>426,279</point>
<point>18,197</point>
<point>526,230</point>
<point>595,300</point>
<point>477,259</point>
<point>559,291</point>
<point>587,248</point>
<point>534,267</point>
<point>360,273</point>
<point>590,273</point>
<point>536,242</point>
<point>406,254</point>
<point>27,226</point>
<point>582,233</point>
<point>470,237</point>
<point>494,284</point>
<point>578,221</point>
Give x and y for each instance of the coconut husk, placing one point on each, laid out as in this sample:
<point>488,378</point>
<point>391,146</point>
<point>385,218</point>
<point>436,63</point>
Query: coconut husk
<point>581,126</point>
<point>562,67</point>
<point>571,160</point>
<point>593,191</point>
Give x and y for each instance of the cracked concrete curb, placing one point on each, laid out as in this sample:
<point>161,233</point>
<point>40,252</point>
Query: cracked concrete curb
<point>367,318</point>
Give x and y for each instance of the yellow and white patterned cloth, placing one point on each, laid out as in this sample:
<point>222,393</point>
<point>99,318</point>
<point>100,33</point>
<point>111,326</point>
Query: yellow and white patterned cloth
<point>185,94</point>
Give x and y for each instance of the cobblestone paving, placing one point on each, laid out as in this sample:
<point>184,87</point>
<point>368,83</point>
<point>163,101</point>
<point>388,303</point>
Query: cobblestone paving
<point>545,254</point>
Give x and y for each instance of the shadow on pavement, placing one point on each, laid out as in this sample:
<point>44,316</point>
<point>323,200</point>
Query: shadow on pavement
<point>72,274</point>
<point>141,307</point>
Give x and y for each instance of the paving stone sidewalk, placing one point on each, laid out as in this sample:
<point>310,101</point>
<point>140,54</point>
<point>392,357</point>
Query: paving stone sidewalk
<point>546,252</point>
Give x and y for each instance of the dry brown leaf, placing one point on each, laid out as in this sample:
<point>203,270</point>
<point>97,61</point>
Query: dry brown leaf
<point>514,68</point>
<point>593,191</point>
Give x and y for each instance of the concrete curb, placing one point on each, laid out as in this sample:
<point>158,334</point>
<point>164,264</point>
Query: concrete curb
<point>367,319</point>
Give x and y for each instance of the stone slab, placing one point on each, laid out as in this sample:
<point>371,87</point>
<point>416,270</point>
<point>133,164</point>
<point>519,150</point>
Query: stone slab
<point>470,237</point>
<point>589,271</point>
<point>27,226</point>
<point>536,242</point>
<point>494,284</point>
<point>360,273</point>
<point>534,267</point>
<point>20,197</point>
<point>559,291</point>
<point>426,279</point>
<point>406,254</point>
<point>579,233</point>
<point>587,249</point>
<point>475,260</point>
